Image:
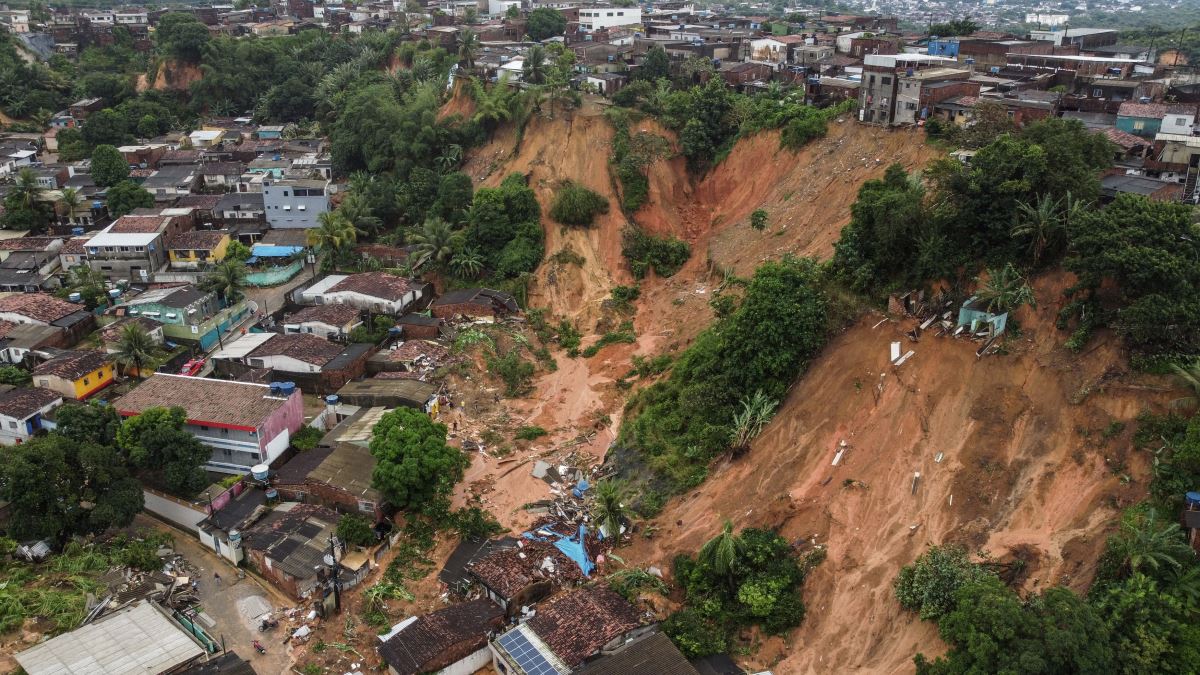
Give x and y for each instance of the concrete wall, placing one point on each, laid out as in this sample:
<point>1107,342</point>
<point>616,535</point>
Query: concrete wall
<point>173,510</point>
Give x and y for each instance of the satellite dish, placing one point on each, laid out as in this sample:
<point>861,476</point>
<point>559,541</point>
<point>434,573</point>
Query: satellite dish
<point>329,560</point>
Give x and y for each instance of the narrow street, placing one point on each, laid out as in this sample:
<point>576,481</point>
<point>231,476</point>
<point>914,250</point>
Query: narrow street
<point>233,604</point>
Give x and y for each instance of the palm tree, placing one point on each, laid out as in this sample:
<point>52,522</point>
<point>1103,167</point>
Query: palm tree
<point>468,44</point>
<point>1188,374</point>
<point>1147,544</point>
<point>1005,290</point>
<point>495,106</point>
<point>722,553</point>
<point>227,280</point>
<point>134,347</point>
<point>436,241</point>
<point>607,509</point>
<point>449,158</point>
<point>467,264</point>
<point>757,410</point>
<point>335,232</point>
<point>1040,223</point>
<point>69,199</point>
<point>534,68</point>
<point>357,212</point>
<point>27,189</point>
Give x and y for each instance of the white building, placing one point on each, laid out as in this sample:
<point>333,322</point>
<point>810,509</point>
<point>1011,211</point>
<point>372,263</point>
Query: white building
<point>131,17</point>
<point>295,202</point>
<point>22,410</point>
<point>608,16</point>
<point>500,7</point>
<point>377,292</point>
<point>1048,20</point>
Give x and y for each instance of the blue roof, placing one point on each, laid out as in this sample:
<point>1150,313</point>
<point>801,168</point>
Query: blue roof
<point>572,547</point>
<point>270,251</point>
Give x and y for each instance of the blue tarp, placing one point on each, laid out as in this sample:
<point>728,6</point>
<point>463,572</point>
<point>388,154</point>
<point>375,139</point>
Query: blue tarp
<point>572,547</point>
<point>269,251</point>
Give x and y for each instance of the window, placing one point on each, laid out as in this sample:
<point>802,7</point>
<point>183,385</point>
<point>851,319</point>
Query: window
<point>1180,122</point>
<point>285,193</point>
<point>43,383</point>
<point>1097,93</point>
<point>203,428</point>
<point>86,382</point>
<point>886,79</point>
<point>12,425</point>
<point>1139,125</point>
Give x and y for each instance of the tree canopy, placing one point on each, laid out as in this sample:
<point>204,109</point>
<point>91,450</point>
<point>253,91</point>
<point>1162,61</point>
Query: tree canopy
<point>415,469</point>
<point>156,440</point>
<point>544,23</point>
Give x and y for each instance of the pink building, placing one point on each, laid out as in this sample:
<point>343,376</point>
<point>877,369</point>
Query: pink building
<point>244,423</point>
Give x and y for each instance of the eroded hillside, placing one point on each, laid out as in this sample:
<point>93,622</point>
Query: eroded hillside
<point>1030,465</point>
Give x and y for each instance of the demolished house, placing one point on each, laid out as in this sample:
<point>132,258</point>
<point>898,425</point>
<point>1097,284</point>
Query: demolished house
<point>451,640</point>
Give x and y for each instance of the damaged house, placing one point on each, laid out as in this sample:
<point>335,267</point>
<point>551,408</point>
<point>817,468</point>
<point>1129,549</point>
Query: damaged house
<point>450,640</point>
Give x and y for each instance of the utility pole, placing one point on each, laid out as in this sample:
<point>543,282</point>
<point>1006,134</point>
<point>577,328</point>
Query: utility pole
<point>334,544</point>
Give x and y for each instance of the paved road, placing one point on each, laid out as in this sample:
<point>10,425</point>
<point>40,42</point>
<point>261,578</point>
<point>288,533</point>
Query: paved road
<point>235,604</point>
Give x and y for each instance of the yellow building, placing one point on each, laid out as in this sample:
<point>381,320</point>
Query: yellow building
<point>75,374</point>
<point>190,250</point>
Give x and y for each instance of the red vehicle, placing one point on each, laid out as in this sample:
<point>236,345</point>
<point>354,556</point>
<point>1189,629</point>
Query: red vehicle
<point>192,367</point>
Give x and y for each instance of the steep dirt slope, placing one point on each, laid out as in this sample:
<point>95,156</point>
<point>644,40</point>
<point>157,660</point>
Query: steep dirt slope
<point>170,75</point>
<point>1029,463</point>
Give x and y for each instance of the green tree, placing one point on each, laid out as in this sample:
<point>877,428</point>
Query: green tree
<point>415,469</point>
<point>68,202</point>
<point>963,26</point>
<point>134,348</point>
<point>575,204</point>
<point>96,422</point>
<point>105,127</point>
<point>26,191</point>
<point>228,280</point>
<point>14,376</point>
<point>723,552</point>
<point>156,440</point>
<point>756,412</point>
<point>356,209</point>
<point>1042,224</point>
<point>356,530</point>
<point>108,166</point>
<point>468,46</point>
<point>493,105</point>
<point>181,36</point>
<point>931,584</point>
<point>544,23</point>
<point>238,251</point>
<point>534,67</point>
<point>758,220</point>
<point>1150,629</point>
<point>59,487</point>
<point>513,12</point>
<point>1148,545</point>
<point>467,264</point>
<point>126,196</point>
<point>654,66</point>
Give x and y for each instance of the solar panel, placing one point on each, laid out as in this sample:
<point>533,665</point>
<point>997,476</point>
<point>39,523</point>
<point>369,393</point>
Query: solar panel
<point>528,657</point>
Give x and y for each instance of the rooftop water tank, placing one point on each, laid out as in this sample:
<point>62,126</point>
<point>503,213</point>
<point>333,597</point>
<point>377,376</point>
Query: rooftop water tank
<point>114,293</point>
<point>235,537</point>
<point>1192,500</point>
<point>260,471</point>
<point>287,388</point>
<point>331,399</point>
<point>76,231</point>
<point>75,297</point>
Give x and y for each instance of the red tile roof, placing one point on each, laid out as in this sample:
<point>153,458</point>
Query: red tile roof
<point>27,243</point>
<point>22,402</point>
<point>506,571</point>
<point>1153,110</point>
<point>218,402</point>
<point>200,240</point>
<point>75,245</point>
<point>304,347</point>
<point>139,224</point>
<point>1123,139</point>
<point>73,365</point>
<point>425,645</point>
<point>332,315</point>
<point>577,624</point>
<point>41,307</point>
<point>376,284</point>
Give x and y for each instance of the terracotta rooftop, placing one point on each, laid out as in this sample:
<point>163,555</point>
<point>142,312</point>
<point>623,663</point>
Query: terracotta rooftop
<point>73,365</point>
<point>412,349</point>
<point>74,245</point>
<point>138,224</point>
<point>27,243</point>
<point>201,240</point>
<point>112,332</point>
<point>237,404</point>
<point>375,284</point>
<point>6,327</point>
<point>333,315</point>
<point>577,624</point>
<point>41,307</point>
<point>424,646</point>
<point>25,401</point>
<point>222,169</point>
<point>1123,139</point>
<point>304,347</point>
<point>202,202</point>
<point>1153,110</point>
<point>507,571</point>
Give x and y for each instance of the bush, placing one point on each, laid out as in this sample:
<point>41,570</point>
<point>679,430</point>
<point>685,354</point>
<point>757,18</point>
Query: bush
<point>515,371</point>
<point>307,438</point>
<point>695,635</point>
<point>645,252</point>
<point>569,337</point>
<point>529,433</point>
<point>624,333</point>
<point>575,204</point>
<point>929,585</point>
<point>623,297</point>
<point>474,523</point>
<point>758,220</point>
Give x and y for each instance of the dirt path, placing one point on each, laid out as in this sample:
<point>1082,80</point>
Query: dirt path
<point>233,603</point>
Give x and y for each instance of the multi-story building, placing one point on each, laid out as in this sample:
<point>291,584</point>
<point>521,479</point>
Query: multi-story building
<point>132,248</point>
<point>245,424</point>
<point>608,16</point>
<point>295,202</point>
<point>881,84</point>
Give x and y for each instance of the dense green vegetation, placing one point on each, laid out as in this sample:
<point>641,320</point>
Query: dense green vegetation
<point>751,578</point>
<point>682,422</point>
<point>645,252</point>
<point>415,468</point>
<point>575,204</point>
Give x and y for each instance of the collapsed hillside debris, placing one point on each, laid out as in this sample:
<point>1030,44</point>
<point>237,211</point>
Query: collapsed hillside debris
<point>974,320</point>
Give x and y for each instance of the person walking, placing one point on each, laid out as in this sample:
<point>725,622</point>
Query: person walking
<point>217,577</point>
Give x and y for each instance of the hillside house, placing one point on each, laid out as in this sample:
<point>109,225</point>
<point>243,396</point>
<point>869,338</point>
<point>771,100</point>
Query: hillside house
<point>1147,119</point>
<point>75,374</point>
<point>568,631</point>
<point>474,303</point>
<point>316,364</point>
<point>295,202</point>
<point>73,322</point>
<point>133,248</point>
<point>188,314</point>
<point>377,292</point>
<point>451,640</point>
<point>288,547</point>
<point>337,473</point>
<point>332,322</point>
<point>882,86</point>
<point>22,410</point>
<point>245,424</point>
<point>170,181</point>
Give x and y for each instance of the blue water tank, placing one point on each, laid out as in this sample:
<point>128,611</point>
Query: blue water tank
<point>260,472</point>
<point>76,231</point>
<point>287,388</point>
<point>1192,500</point>
<point>331,399</point>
